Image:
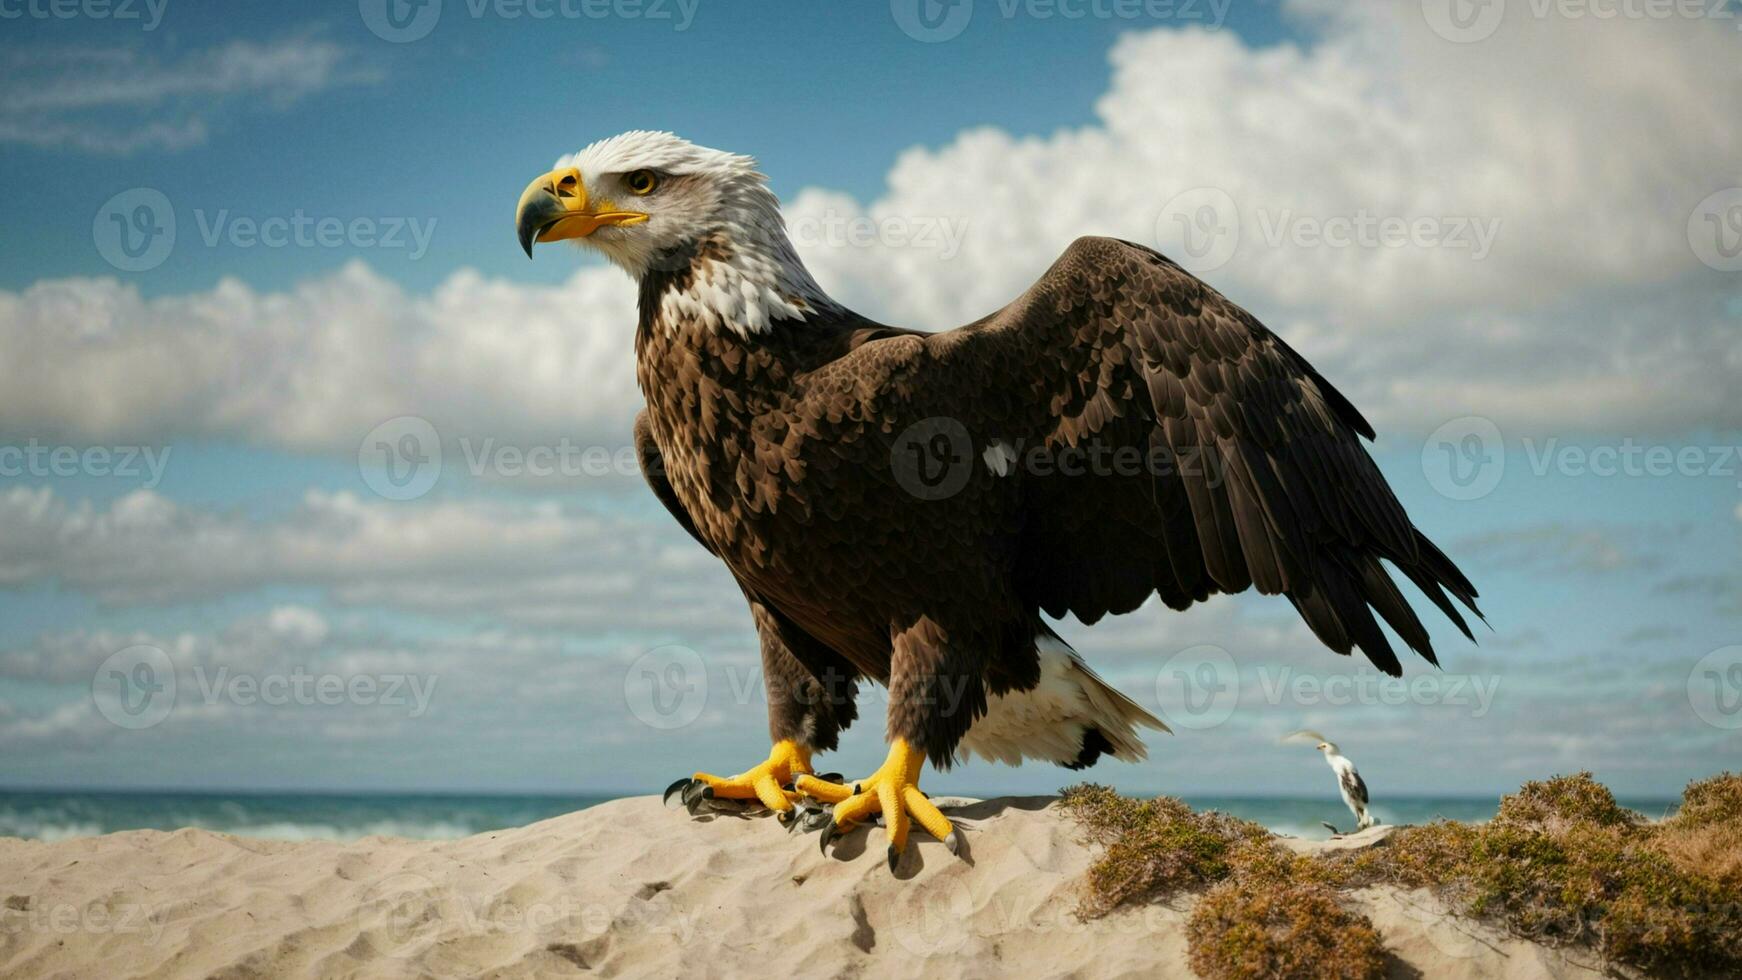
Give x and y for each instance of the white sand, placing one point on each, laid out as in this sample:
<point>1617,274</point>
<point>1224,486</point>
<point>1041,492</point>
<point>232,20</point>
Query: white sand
<point>628,888</point>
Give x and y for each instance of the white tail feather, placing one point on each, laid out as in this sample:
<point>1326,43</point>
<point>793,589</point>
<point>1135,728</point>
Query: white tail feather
<point>1050,720</point>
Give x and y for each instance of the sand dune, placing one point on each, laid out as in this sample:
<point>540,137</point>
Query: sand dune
<point>627,889</point>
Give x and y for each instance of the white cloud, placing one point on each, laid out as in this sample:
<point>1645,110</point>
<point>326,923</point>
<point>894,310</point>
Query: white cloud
<point>1588,142</point>
<point>317,367</point>
<point>1584,146</point>
<point>120,99</point>
<point>534,563</point>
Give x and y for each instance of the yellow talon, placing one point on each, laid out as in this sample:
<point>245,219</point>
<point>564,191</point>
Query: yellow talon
<point>892,789</point>
<point>786,762</point>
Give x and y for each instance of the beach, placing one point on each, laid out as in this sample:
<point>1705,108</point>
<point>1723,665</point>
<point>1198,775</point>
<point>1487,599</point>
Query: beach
<point>631,888</point>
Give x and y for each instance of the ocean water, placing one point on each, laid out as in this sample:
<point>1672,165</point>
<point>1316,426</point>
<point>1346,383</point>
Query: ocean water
<point>323,816</point>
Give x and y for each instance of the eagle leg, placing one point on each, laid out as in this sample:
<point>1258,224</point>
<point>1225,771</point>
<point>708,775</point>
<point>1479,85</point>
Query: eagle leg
<point>766,781</point>
<point>894,790</point>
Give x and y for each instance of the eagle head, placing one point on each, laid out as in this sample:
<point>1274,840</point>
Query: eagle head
<point>652,202</point>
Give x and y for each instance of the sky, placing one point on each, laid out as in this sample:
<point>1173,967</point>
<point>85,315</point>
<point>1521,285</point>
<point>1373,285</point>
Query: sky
<point>310,480</point>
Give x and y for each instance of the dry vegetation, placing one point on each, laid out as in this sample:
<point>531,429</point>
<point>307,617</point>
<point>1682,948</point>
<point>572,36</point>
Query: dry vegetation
<point>1561,863</point>
<point>1264,917</point>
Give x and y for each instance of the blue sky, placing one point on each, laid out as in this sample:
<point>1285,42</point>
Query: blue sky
<point>1597,322</point>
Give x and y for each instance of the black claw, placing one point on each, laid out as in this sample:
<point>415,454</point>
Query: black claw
<point>674,789</point>
<point>810,818</point>
<point>832,777</point>
<point>894,858</point>
<point>954,842</point>
<point>696,792</point>
<point>829,834</point>
<point>787,818</point>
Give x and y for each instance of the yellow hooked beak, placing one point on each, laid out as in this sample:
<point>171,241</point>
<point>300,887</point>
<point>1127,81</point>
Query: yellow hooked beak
<point>554,207</point>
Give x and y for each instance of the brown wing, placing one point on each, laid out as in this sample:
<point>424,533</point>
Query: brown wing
<point>653,471</point>
<point>1210,456</point>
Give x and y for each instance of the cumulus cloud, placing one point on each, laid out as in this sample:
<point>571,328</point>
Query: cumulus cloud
<point>1581,147</point>
<point>316,368</point>
<point>1555,165</point>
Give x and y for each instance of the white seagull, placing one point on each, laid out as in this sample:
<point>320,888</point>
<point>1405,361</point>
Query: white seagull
<point>1348,780</point>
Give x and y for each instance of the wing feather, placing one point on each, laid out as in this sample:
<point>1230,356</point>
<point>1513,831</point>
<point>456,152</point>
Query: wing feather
<point>1266,483</point>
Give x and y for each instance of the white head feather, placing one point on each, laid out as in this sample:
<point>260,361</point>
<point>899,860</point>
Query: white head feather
<point>703,195</point>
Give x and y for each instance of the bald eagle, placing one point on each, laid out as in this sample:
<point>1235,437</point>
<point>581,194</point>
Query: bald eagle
<point>902,507</point>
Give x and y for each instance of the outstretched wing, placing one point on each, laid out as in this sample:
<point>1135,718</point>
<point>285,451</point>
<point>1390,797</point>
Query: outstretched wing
<point>1205,456</point>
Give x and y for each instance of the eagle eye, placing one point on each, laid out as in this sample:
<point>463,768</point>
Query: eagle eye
<point>641,181</point>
